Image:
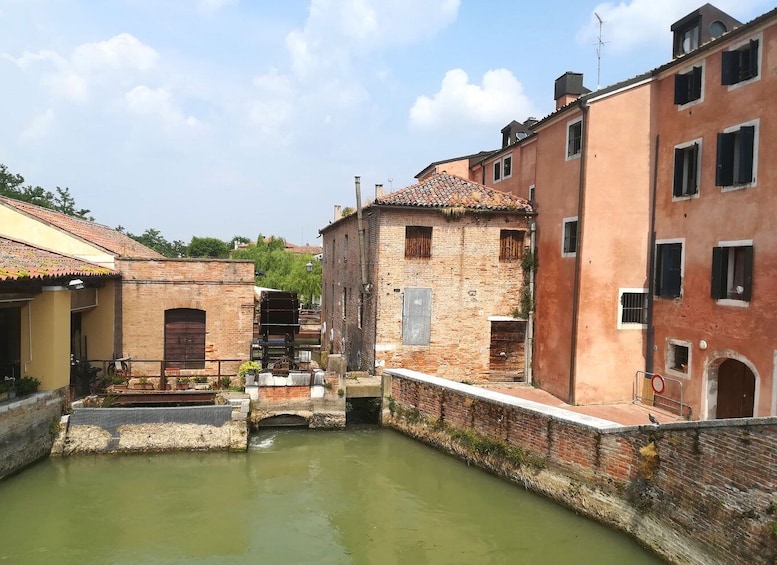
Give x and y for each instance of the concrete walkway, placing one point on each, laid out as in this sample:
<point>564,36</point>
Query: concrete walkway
<point>627,413</point>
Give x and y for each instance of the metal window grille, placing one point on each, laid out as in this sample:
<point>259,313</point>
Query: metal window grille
<point>634,307</point>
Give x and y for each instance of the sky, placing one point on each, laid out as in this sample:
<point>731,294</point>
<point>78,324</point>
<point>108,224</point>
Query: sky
<point>245,117</point>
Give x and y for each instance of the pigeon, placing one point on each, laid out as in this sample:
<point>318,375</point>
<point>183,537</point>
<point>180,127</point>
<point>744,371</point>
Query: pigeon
<point>653,419</point>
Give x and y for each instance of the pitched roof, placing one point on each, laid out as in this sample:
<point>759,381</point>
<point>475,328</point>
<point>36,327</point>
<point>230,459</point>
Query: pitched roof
<point>471,157</point>
<point>444,190</point>
<point>22,261</point>
<point>107,238</point>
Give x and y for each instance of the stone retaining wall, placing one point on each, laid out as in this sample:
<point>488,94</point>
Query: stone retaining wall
<point>133,430</point>
<point>28,427</point>
<point>692,492</point>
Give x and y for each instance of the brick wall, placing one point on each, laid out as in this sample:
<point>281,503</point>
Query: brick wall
<point>469,284</point>
<point>26,429</point>
<point>222,288</point>
<point>694,492</point>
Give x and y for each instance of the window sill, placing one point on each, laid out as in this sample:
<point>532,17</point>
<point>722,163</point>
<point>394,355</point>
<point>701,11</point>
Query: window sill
<point>631,326</point>
<point>732,302</point>
<point>735,187</point>
<point>742,83</point>
<point>677,373</point>
<point>575,156</point>
<point>685,197</point>
<point>681,107</point>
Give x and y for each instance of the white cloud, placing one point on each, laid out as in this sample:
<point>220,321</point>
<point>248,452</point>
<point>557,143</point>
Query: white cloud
<point>273,108</point>
<point>213,6</point>
<point>632,24</point>
<point>122,51</point>
<point>156,103</point>
<point>40,126</point>
<point>337,31</point>
<point>498,100</point>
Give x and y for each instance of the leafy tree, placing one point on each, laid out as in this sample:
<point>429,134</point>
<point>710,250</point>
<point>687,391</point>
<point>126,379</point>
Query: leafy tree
<point>208,247</point>
<point>12,186</point>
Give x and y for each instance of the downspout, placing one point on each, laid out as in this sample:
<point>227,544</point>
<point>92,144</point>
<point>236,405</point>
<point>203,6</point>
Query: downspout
<point>530,322</point>
<point>360,226</point>
<point>578,255</point>
<point>650,338</point>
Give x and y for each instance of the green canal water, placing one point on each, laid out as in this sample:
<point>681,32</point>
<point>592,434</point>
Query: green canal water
<point>366,496</point>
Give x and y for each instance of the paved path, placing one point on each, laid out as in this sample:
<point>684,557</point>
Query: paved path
<point>628,413</point>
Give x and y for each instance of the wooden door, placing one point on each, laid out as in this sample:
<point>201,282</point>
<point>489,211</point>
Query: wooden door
<point>184,339</point>
<point>736,390</point>
<point>507,356</point>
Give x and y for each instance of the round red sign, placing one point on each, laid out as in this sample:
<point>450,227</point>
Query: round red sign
<point>657,382</point>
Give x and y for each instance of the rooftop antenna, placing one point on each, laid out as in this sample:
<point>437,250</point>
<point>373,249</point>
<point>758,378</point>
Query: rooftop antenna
<point>599,45</point>
<point>391,184</point>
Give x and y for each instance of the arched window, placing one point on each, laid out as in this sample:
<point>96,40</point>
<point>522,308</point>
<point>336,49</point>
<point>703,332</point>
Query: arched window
<point>184,338</point>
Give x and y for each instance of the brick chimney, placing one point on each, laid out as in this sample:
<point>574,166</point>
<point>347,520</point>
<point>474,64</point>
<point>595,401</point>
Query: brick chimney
<point>568,88</point>
<point>378,191</point>
<point>338,212</point>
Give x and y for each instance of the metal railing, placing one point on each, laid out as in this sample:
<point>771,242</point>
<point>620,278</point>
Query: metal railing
<point>658,385</point>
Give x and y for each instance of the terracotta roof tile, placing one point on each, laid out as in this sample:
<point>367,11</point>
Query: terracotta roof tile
<point>22,261</point>
<point>449,191</point>
<point>109,239</point>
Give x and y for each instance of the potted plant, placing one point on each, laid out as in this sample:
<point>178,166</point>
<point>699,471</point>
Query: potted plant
<point>119,383</point>
<point>182,383</point>
<point>143,384</point>
<point>247,372</point>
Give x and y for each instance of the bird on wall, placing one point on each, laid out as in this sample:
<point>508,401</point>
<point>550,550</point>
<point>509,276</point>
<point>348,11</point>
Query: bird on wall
<point>653,420</point>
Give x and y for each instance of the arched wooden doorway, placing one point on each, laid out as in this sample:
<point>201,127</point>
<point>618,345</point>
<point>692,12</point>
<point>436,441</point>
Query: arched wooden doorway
<point>736,390</point>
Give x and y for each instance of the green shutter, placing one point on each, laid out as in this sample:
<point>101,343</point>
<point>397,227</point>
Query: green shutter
<point>746,152</point>
<point>719,268</point>
<point>724,173</point>
<point>680,89</point>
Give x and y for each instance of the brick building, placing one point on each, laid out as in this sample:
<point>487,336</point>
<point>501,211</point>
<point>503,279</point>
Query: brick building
<point>101,294</point>
<point>442,281</point>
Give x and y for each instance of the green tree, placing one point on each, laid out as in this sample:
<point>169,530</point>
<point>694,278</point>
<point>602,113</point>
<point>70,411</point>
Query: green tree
<point>12,185</point>
<point>208,247</point>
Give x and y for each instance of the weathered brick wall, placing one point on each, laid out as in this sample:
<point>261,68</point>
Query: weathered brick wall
<point>694,492</point>
<point>27,429</point>
<point>222,288</point>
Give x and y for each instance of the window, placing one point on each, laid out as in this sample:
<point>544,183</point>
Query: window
<point>416,316</point>
<point>531,192</point>
<point>510,245</point>
<point>497,171</point>
<point>632,308</point>
<point>418,242</point>
<point>732,271</point>
<point>687,39</point>
<point>574,139</point>
<point>184,338</point>
<point>686,169</point>
<point>736,156</point>
<point>740,64</point>
<point>507,167</point>
<point>688,86</point>
<point>668,276</point>
<point>345,303</point>
<point>345,249</point>
<point>569,241</point>
<point>678,357</point>
<point>361,310</point>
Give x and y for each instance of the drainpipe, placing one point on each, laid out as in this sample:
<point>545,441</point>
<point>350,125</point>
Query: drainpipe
<point>578,255</point>
<point>530,322</point>
<point>362,262</point>
<point>650,338</point>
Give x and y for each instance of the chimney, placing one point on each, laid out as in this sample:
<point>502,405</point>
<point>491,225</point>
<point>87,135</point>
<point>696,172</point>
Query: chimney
<point>338,212</point>
<point>568,88</point>
<point>378,191</point>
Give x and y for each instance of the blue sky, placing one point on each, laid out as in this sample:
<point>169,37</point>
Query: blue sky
<point>240,117</point>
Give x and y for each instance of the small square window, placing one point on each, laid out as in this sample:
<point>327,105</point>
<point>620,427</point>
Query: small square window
<point>740,64</point>
<point>418,242</point>
<point>678,357</point>
<point>687,86</point>
<point>633,307</point>
<point>732,272</point>
<point>510,245</point>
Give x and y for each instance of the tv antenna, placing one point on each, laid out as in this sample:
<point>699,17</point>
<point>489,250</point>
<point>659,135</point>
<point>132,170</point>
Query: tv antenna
<point>599,45</point>
<point>391,184</point>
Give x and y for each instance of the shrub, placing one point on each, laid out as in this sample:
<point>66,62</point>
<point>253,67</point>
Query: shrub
<point>27,385</point>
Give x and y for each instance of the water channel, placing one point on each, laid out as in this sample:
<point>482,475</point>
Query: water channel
<point>361,497</point>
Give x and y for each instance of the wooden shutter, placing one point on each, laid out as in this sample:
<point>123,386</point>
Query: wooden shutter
<point>730,67</point>
<point>752,60</point>
<point>724,172</point>
<point>719,272</point>
<point>694,89</point>
<point>185,338</point>
<point>693,169</point>
<point>680,89</point>
<point>748,291</point>
<point>679,168</point>
<point>746,152</point>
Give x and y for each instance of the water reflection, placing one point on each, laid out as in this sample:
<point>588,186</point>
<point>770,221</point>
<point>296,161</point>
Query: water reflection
<point>369,496</point>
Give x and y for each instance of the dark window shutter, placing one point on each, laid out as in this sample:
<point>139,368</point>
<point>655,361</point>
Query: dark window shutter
<point>753,59</point>
<point>672,272</point>
<point>659,274</point>
<point>695,86</point>
<point>693,169</point>
<point>730,67</point>
<point>719,268</point>
<point>746,152</point>
<point>748,292</point>
<point>680,89</point>
<point>679,167</point>
<point>724,173</point>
